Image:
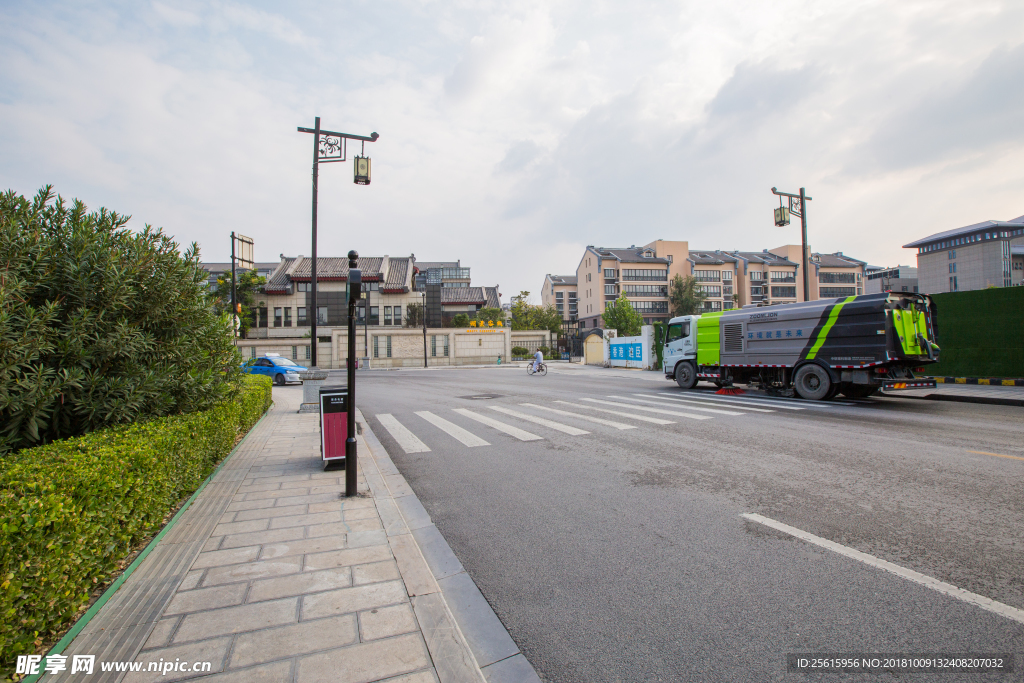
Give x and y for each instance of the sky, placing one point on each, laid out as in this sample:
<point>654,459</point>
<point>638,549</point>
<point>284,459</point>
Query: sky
<point>513,134</point>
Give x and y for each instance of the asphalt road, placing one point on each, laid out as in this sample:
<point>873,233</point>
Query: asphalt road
<point>621,555</point>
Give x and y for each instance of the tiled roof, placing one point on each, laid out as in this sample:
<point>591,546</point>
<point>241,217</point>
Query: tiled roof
<point>1013,223</point>
<point>278,280</point>
<point>710,257</point>
<point>423,265</point>
<point>630,256</point>
<point>563,279</point>
<point>398,275</point>
<point>463,295</point>
<point>835,261</point>
<point>765,257</point>
<point>335,267</point>
<point>493,297</point>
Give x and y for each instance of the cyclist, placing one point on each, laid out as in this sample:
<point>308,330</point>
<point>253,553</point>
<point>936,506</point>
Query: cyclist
<point>538,358</point>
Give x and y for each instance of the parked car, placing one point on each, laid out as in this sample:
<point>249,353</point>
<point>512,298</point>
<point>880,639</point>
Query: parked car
<point>279,369</point>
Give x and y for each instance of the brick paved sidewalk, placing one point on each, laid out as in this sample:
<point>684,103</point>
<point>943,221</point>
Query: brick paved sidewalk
<point>294,582</point>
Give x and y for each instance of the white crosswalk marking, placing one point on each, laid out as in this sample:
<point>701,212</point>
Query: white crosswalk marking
<point>452,429</point>
<point>500,426</point>
<point>688,406</point>
<point>744,401</point>
<point>406,439</point>
<point>633,406</point>
<point>619,413</point>
<point>696,401</point>
<point>588,418</point>
<point>565,429</point>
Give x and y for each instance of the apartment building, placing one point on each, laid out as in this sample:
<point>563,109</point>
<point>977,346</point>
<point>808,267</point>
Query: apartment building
<point>987,254</point>
<point>560,291</point>
<point>603,274</point>
<point>715,272</point>
<point>764,278</point>
<point>898,279</point>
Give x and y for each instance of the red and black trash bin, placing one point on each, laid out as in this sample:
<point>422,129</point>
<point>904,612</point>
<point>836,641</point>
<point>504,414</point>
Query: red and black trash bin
<point>334,407</point>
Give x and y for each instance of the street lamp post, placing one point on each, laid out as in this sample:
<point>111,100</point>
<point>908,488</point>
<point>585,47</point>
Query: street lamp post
<point>329,147</point>
<point>423,316</point>
<point>355,280</point>
<point>797,207</point>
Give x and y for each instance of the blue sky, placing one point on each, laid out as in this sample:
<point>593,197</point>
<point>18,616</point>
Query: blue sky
<point>515,133</point>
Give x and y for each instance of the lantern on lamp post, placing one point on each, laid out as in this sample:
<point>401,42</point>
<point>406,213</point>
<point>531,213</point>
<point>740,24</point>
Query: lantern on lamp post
<point>361,170</point>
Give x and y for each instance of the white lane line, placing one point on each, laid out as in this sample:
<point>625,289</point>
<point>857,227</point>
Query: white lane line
<point>619,413</point>
<point>633,406</point>
<point>696,400</point>
<point>453,430</point>
<point>500,426</point>
<point>406,439</point>
<point>780,400</point>
<point>909,574</point>
<point>588,418</point>
<point>739,401</point>
<point>690,405</point>
<point>565,429</point>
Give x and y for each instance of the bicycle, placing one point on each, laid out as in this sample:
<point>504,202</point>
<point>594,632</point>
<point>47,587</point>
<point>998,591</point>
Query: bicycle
<point>541,370</point>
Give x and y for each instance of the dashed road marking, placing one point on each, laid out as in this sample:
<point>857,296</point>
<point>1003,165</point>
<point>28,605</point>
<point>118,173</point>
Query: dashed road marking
<point>406,439</point>
<point>633,406</point>
<point>520,434</point>
<point>588,418</point>
<point>453,430</point>
<point>619,413</point>
<point>551,424</point>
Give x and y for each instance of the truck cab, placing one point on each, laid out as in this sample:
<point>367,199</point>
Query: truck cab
<point>680,341</point>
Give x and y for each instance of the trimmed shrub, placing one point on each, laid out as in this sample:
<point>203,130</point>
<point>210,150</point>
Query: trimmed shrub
<point>70,511</point>
<point>521,351</point>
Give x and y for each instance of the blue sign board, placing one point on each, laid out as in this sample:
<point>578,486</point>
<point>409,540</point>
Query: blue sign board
<point>632,351</point>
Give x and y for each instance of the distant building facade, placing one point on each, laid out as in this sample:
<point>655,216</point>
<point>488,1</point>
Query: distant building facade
<point>987,254</point>
<point>898,279</point>
<point>560,291</point>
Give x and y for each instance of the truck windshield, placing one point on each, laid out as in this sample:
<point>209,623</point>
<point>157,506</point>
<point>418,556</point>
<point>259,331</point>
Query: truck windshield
<point>677,331</point>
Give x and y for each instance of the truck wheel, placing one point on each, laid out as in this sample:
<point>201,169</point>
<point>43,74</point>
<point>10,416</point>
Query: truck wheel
<point>279,379</point>
<point>858,391</point>
<point>686,375</point>
<point>812,382</point>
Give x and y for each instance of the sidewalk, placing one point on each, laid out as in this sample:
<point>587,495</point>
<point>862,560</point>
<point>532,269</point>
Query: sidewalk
<point>967,393</point>
<point>272,575</point>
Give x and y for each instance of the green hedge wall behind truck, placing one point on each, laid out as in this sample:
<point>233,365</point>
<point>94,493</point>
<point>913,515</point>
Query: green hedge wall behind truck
<point>71,511</point>
<point>981,333</point>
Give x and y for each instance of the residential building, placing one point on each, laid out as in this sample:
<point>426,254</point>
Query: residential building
<point>715,272</point>
<point>898,279</point>
<point>603,274</point>
<point>560,291</point>
<point>831,275</point>
<point>986,254</point>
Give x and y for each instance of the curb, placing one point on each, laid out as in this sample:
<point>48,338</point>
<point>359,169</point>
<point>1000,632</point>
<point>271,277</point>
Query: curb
<point>985,400</point>
<point>985,381</point>
<point>490,646</point>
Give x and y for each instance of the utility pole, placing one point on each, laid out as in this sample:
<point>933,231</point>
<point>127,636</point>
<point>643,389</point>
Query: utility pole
<point>234,300</point>
<point>424,316</point>
<point>797,207</point>
<point>355,281</point>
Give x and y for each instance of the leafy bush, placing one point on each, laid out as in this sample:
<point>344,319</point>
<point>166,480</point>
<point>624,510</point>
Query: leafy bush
<point>544,349</point>
<point>70,511</point>
<point>100,325</point>
<point>520,351</point>
<point>460,320</point>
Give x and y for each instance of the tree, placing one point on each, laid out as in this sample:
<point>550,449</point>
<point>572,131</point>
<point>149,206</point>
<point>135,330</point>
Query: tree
<point>460,320</point>
<point>491,315</point>
<point>414,314</point>
<point>100,325</point>
<point>248,285</point>
<point>526,316</point>
<point>685,296</point>
<point>620,315</point>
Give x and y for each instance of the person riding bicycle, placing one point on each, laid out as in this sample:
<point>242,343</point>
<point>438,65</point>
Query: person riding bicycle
<point>537,359</point>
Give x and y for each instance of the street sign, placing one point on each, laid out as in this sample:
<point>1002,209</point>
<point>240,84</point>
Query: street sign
<point>244,257</point>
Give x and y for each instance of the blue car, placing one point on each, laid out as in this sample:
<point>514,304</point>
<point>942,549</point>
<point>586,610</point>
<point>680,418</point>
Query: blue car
<point>279,369</point>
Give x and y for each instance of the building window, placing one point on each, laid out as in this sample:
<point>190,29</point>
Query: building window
<point>295,353</point>
<point>710,290</point>
<point>376,348</point>
<point>301,320</point>
<point>252,352</point>
<point>398,316</point>
<point>756,276</point>
<point>444,345</point>
<point>321,315</point>
<point>836,292</point>
<point>609,273</point>
<point>609,289</point>
<point>307,353</point>
<point>277,316</point>
<point>645,290</point>
<point>433,346</point>
<point>387,315</point>
<point>727,275</point>
<point>782,276</point>
<point>952,254</point>
<point>756,291</point>
<point>303,287</point>
<point>634,274</point>
<point>387,339</point>
<point>783,292</point>
<point>840,278</point>
<point>288,316</point>
<point>559,296</point>
<point>374,315</point>
<point>707,275</point>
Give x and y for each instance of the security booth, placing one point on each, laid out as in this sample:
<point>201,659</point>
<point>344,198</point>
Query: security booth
<point>334,407</point>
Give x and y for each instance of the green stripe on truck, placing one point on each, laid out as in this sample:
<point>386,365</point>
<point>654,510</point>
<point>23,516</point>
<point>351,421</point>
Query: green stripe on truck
<point>820,341</point>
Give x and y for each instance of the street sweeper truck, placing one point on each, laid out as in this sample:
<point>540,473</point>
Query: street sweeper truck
<point>816,349</point>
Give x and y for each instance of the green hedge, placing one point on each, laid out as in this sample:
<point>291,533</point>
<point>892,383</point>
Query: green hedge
<point>72,510</point>
<point>980,333</point>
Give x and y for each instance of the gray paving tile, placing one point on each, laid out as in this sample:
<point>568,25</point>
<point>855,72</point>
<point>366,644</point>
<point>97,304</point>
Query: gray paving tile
<point>241,527</point>
<point>309,499</point>
<point>375,572</point>
<point>354,599</point>
<point>484,632</point>
<point>206,598</point>
<point>347,557</point>
<point>436,552</point>
<point>515,669</point>
<point>451,657</point>
<point>266,673</point>
<point>212,650</point>
<point>251,504</point>
<point>300,584</point>
<point>303,546</point>
<point>416,516</point>
<point>385,622</point>
<point>304,520</point>
<point>365,662</point>
<point>252,617</point>
<point>258,537</point>
<point>161,634</point>
<point>294,639</point>
<point>278,510</point>
<point>219,558</point>
<point>253,570</point>
<point>415,573</point>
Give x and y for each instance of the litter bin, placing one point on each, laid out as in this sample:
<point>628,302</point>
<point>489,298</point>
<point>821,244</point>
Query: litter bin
<point>333,423</point>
